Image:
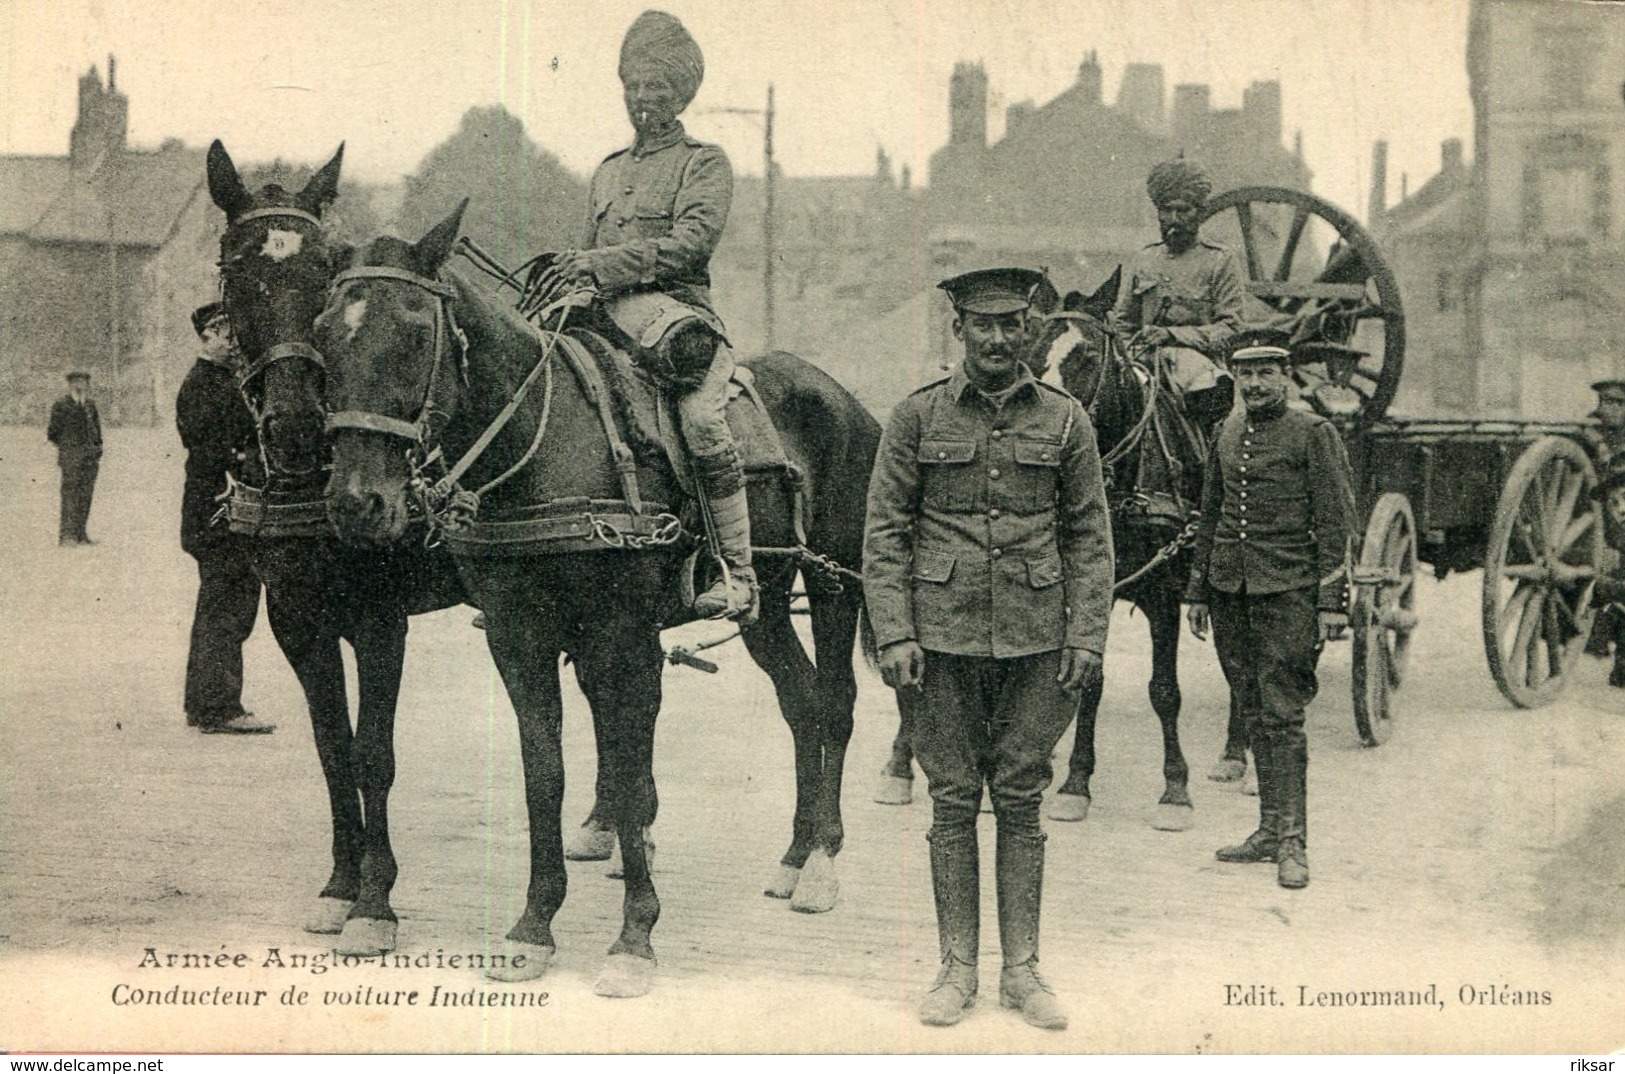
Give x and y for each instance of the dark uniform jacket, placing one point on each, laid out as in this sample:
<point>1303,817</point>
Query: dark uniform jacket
<point>987,531</point>
<point>1277,507</point>
<point>76,430</point>
<point>656,213</point>
<point>215,424</point>
<point>1196,295</point>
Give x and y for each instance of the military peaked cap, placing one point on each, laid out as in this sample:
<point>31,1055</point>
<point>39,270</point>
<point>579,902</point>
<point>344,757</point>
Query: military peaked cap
<point>1261,344</point>
<point>1611,382</point>
<point>204,314</point>
<point>993,290</point>
<point>78,374</point>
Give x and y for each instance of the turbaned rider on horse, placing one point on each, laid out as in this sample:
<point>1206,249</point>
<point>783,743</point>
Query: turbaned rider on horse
<point>655,214</point>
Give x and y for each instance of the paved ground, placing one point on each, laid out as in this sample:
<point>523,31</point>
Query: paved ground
<point>1481,851</point>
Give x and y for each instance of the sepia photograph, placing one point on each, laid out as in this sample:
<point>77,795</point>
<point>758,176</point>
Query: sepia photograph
<point>879,527</point>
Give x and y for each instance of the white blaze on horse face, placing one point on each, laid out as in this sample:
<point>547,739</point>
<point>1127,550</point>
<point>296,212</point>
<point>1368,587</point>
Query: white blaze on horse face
<point>281,245</point>
<point>353,315</point>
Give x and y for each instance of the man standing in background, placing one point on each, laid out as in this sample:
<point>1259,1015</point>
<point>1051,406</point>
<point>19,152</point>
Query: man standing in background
<point>215,426</point>
<point>76,430</point>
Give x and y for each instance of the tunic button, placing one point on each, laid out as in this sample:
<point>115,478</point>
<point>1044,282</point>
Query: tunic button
<point>942,454</point>
<point>622,221</point>
<point>1044,455</point>
<point>1244,507</point>
<point>1246,456</point>
<point>993,472</point>
<point>998,434</point>
<point>1244,494</point>
<point>1244,535</point>
<point>993,514</point>
<point>629,190</point>
<point>1244,469</point>
<point>997,552</point>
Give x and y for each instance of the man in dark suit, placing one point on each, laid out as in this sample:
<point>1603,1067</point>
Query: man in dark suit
<point>215,426</point>
<point>76,430</point>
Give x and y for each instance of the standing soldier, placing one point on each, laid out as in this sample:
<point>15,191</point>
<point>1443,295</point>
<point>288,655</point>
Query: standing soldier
<point>1269,564</point>
<point>1182,295</point>
<point>215,425</point>
<point>1608,629</point>
<point>988,575</point>
<point>76,430</point>
<point>655,215</point>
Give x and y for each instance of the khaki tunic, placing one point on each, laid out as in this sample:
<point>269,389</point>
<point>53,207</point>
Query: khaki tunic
<point>1196,295</point>
<point>988,533</point>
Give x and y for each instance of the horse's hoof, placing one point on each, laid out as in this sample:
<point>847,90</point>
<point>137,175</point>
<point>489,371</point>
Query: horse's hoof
<point>590,843</point>
<point>367,937</point>
<point>327,917</point>
<point>1227,770</point>
<point>520,962</point>
<point>818,887</point>
<point>894,790</point>
<point>783,884</point>
<point>1069,807</point>
<point>1173,818</point>
<point>625,977</point>
<point>1250,784</point>
<point>617,868</point>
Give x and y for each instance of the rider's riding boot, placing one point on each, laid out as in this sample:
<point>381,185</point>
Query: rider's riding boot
<point>1261,845</point>
<point>956,882</point>
<point>1291,778</point>
<point>734,594</point>
<point>1020,878</point>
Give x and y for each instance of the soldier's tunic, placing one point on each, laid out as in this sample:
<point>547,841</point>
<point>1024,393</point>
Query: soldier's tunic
<point>1277,506</point>
<point>989,544</point>
<point>1196,295</point>
<point>654,217</point>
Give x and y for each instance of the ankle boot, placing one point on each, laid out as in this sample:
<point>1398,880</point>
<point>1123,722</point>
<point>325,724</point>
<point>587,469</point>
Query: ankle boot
<point>1020,870</point>
<point>1291,773</point>
<point>734,595</point>
<point>955,883</point>
<point>1261,845</point>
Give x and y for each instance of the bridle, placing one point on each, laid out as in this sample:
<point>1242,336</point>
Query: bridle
<point>277,352</point>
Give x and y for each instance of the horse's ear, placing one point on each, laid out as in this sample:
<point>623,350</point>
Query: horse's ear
<point>1104,298</point>
<point>323,187</point>
<point>343,257</point>
<point>225,185</point>
<point>432,250</point>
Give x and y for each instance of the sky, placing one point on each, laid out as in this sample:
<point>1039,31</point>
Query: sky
<point>391,78</point>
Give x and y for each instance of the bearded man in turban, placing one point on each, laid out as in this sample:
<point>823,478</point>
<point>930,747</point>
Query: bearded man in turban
<point>656,213</point>
<point>1182,296</point>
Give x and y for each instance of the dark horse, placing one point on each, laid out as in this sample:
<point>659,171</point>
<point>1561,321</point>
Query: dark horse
<point>1153,470</point>
<point>562,560</point>
<point>276,267</point>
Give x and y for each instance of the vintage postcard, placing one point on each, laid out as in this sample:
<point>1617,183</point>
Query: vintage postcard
<point>225,829</point>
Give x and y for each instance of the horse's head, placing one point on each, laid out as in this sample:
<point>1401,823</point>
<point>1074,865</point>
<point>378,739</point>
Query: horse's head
<point>1079,330</point>
<point>275,267</point>
<point>394,362</point>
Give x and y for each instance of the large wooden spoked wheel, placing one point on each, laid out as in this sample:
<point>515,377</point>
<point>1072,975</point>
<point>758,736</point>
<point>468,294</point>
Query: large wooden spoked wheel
<point>1383,614</point>
<point>1312,269</point>
<point>1541,565</point>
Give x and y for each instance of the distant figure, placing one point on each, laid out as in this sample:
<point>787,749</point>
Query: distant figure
<point>1183,296</point>
<point>215,426</point>
<point>76,430</point>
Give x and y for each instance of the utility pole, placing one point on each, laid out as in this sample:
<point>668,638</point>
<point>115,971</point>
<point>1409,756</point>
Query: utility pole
<point>769,219</point>
<point>768,227</point>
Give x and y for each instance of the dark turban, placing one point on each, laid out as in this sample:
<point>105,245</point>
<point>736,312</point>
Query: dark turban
<point>1178,179</point>
<point>658,38</point>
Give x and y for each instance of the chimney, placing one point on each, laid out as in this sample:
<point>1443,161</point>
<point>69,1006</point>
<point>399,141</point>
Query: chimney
<point>1190,114</point>
<point>967,106</point>
<point>1450,156</point>
<point>1377,205</point>
<point>1089,78</point>
<point>1140,96</point>
<point>112,75</point>
<point>1261,112</point>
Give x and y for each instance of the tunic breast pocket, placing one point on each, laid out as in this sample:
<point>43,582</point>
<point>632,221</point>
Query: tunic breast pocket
<point>1037,478</point>
<point>946,480</point>
<point>651,223</point>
